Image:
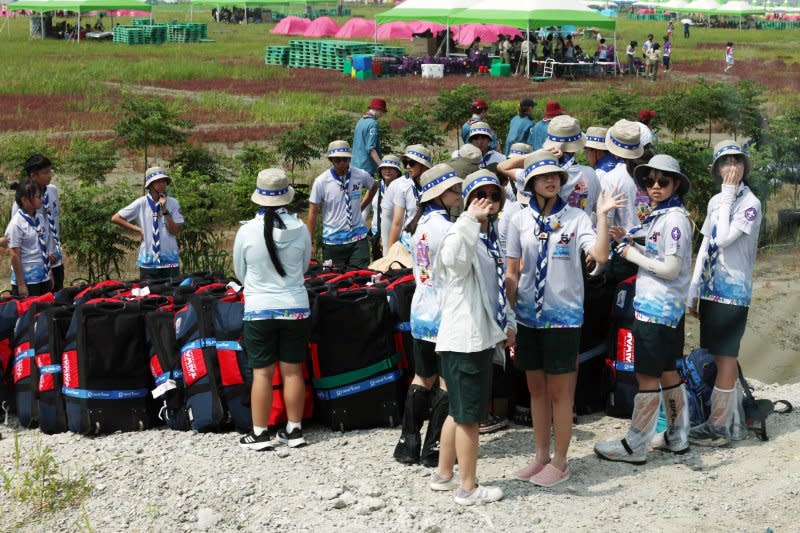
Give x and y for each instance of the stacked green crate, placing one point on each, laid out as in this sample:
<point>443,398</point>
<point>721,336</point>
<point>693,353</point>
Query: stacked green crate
<point>277,55</point>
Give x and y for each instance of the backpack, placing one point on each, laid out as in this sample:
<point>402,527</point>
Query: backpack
<point>621,356</point>
<point>699,372</point>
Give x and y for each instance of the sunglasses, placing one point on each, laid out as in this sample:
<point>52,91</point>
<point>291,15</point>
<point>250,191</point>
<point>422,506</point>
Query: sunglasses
<point>410,164</point>
<point>338,159</point>
<point>455,188</point>
<point>493,196</point>
<point>649,182</point>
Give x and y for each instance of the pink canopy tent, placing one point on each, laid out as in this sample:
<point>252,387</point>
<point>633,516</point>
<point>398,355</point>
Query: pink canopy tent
<point>356,28</point>
<point>511,31</point>
<point>119,13</point>
<point>322,27</point>
<point>291,26</point>
<point>419,26</point>
<point>466,34</point>
<point>394,31</point>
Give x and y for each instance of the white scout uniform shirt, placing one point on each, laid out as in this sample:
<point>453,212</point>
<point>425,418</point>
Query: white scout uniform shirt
<point>582,188</point>
<point>25,237</point>
<point>563,293</point>
<point>504,221</point>
<point>140,212</point>
<point>426,304</point>
<point>491,156</point>
<point>731,280</point>
<point>659,300</point>
<point>405,195</point>
<point>627,216</point>
<point>329,192</point>
<point>53,207</point>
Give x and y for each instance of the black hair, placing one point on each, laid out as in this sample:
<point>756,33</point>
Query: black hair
<point>647,155</point>
<point>602,41</point>
<point>730,43</point>
<point>273,220</point>
<point>656,46</point>
<point>649,35</point>
<point>634,43</point>
<point>35,163</point>
<point>24,189</point>
<point>411,227</point>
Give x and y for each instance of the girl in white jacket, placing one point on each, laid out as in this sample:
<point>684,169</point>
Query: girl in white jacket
<point>270,256</point>
<point>476,322</point>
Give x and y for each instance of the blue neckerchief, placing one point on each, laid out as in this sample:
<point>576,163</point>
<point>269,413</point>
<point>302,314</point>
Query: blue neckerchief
<point>344,183</point>
<point>566,161</point>
<point>608,162</point>
<point>491,242</point>
<point>673,203</point>
<point>546,225</point>
<point>34,223</point>
<point>433,208</point>
<point>155,207</point>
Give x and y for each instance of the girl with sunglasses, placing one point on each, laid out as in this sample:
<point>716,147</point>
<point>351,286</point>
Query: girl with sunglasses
<point>441,191</point>
<point>405,191</point>
<point>544,283</point>
<point>475,326</point>
<point>722,284</point>
<point>662,285</point>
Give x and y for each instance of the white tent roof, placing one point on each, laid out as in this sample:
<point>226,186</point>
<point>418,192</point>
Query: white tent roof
<point>430,10</point>
<point>544,12</point>
<point>736,7</point>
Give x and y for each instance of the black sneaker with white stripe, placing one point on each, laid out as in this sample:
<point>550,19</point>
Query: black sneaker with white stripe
<point>294,439</point>
<point>258,443</point>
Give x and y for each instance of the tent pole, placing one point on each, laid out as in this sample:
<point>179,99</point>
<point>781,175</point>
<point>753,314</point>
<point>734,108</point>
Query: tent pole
<point>79,27</point>
<point>41,24</point>
<point>615,50</point>
<point>528,45</point>
<point>245,12</point>
<point>447,39</point>
<point>191,12</point>
<point>375,35</point>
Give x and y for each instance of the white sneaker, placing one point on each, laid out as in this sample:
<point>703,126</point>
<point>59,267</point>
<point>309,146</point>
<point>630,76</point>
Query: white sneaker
<point>662,442</point>
<point>440,483</point>
<point>620,450</point>
<point>480,495</point>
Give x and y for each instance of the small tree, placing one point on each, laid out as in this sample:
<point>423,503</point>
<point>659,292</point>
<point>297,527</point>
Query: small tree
<point>297,149</point>
<point>15,149</point>
<point>90,161</point>
<point>783,145</point>
<point>708,100</point>
<point>742,113</point>
<point>499,116</point>
<point>678,111</point>
<point>148,122</point>
<point>453,107</point>
<point>253,159</point>
<point>420,128</point>
<point>332,127</point>
<point>612,104</point>
<point>196,158</point>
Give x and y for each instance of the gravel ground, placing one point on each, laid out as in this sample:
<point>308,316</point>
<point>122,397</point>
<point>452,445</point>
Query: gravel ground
<point>173,481</point>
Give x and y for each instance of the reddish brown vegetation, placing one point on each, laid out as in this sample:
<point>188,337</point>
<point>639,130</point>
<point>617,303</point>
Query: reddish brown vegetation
<point>235,134</point>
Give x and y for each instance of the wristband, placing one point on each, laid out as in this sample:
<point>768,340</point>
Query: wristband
<point>167,213</point>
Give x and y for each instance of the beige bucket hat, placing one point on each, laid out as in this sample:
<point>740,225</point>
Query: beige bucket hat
<point>339,149</point>
<point>624,140</point>
<point>596,138</point>
<point>542,162</point>
<point>272,188</point>
<point>564,132</point>
<point>729,147</point>
<point>435,181</point>
<point>420,154</point>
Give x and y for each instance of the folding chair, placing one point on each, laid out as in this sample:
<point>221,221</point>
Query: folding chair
<point>547,70</point>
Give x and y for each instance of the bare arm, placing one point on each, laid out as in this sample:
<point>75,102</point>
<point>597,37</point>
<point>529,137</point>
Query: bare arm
<point>375,157</point>
<point>311,223</point>
<point>512,280</point>
<point>507,168</point>
<point>16,266</point>
<point>367,199</point>
<point>118,220</point>
<point>397,225</point>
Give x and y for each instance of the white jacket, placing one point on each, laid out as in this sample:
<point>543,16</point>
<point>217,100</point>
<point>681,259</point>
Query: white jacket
<point>468,323</point>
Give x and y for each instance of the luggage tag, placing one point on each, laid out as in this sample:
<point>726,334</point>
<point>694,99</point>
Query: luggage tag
<point>164,388</point>
<point>327,264</point>
<point>235,286</point>
<point>375,278</point>
<point>4,406</point>
<point>140,291</point>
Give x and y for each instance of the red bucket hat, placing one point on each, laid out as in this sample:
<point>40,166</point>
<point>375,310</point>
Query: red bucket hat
<point>646,115</point>
<point>479,105</point>
<point>378,104</point>
<point>552,110</point>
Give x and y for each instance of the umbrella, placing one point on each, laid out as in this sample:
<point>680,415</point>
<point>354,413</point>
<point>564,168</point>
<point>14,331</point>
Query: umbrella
<point>394,31</point>
<point>291,26</point>
<point>356,28</point>
<point>687,21</point>
<point>322,27</point>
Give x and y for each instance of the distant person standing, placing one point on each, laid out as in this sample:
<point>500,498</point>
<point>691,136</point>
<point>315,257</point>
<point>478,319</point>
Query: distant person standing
<point>538,132</point>
<point>686,29</point>
<point>520,125</point>
<point>670,29</point>
<point>630,52</point>
<point>728,56</point>
<point>366,141</point>
<point>666,53</point>
<point>479,107</point>
<point>648,44</point>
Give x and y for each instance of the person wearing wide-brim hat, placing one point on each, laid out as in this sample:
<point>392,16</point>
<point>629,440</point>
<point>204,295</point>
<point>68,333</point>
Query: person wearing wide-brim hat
<point>565,138</point>
<point>624,141</point>
<point>478,107</point>
<point>721,287</point>
<point>482,136</point>
<point>538,132</point>
<point>544,282</point>
<point>159,221</point>
<point>366,138</point>
<point>659,303</point>
<point>476,320</point>
<point>597,152</point>
<point>338,193</point>
<point>406,191</point>
<point>466,160</point>
<point>441,191</point>
<point>390,169</point>
<point>270,256</point>
<point>520,126</point>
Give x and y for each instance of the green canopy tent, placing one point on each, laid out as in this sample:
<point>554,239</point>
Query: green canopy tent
<point>80,7</point>
<point>439,11</point>
<point>527,14</point>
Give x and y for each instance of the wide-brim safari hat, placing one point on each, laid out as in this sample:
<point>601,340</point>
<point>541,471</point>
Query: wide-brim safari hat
<point>729,147</point>
<point>596,138</point>
<point>519,149</point>
<point>391,161</point>
<point>482,178</point>
<point>664,163</point>
<point>480,128</point>
<point>154,174</point>
<point>564,132</point>
<point>420,154</point>
<point>542,162</point>
<point>623,140</point>
<point>435,181</point>
<point>471,153</point>
<point>272,188</point>
<point>339,149</point>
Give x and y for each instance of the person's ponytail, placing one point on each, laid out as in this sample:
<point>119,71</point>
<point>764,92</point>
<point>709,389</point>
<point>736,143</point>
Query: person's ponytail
<point>272,220</point>
<point>411,227</point>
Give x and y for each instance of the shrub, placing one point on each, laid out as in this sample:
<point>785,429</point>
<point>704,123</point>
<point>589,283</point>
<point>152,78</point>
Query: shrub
<point>453,107</point>
<point>253,159</point>
<point>332,127</point>
<point>296,147</point>
<point>498,117</point>
<point>611,105</point>
<point>420,128</point>
<point>15,149</point>
<point>197,159</point>
<point>90,161</point>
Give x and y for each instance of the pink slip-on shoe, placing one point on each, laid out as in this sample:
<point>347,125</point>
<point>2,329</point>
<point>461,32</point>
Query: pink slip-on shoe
<point>550,476</point>
<point>531,469</point>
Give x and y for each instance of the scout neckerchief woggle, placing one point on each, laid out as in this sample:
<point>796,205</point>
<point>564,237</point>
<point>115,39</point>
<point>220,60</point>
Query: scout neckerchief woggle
<point>34,223</point>
<point>673,204</point>
<point>712,252</point>
<point>52,222</point>
<point>545,226</point>
<point>490,240</point>
<point>155,207</point>
<point>344,183</point>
